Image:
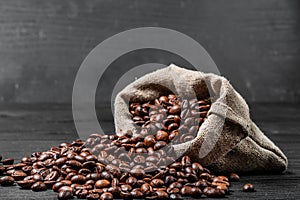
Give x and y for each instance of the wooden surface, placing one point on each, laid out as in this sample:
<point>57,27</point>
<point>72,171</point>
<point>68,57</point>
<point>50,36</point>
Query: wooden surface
<point>43,43</point>
<point>28,128</point>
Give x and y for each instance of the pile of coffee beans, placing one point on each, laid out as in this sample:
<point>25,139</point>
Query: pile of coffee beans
<point>72,170</point>
<point>140,164</point>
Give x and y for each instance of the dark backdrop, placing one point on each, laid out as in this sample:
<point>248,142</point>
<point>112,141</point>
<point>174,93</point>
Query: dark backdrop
<point>255,44</point>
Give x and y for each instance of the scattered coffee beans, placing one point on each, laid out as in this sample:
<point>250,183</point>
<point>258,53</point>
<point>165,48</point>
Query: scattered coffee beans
<point>134,165</point>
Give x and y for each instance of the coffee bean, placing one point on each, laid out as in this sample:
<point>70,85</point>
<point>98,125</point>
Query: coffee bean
<point>159,145</point>
<point>185,161</point>
<point>64,195</point>
<point>103,183</point>
<point>25,184</point>
<point>106,196</point>
<point>8,161</point>
<point>213,192</point>
<point>138,173</point>
<point>38,186</point>
<point>234,177</point>
<point>157,183</point>
<point>7,181</point>
<point>78,179</point>
<point>248,187</point>
<point>136,193</point>
<point>65,188</point>
<point>162,135</point>
<point>162,194</point>
<point>18,175</point>
<point>149,141</point>
<point>52,176</point>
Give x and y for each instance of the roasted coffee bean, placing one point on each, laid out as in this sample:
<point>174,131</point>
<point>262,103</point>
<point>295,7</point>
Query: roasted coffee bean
<point>213,192</point>
<point>80,179</point>
<point>157,183</point>
<point>103,183</point>
<point>18,175</point>
<point>52,176</point>
<point>131,181</point>
<point>64,195</point>
<point>149,141</point>
<point>8,161</point>
<point>136,193</point>
<point>161,194</point>
<point>38,186</point>
<point>159,145</point>
<point>7,181</point>
<point>126,188</point>
<point>25,184</point>
<point>185,161</point>
<point>234,177</point>
<point>248,187</point>
<point>138,173</point>
<point>106,196</point>
<point>162,135</point>
<point>37,177</point>
<point>65,188</point>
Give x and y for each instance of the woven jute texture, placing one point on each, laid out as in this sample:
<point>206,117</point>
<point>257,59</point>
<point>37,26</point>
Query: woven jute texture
<point>228,140</point>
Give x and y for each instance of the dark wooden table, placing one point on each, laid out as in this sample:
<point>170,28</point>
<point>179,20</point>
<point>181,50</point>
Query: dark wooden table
<point>28,128</point>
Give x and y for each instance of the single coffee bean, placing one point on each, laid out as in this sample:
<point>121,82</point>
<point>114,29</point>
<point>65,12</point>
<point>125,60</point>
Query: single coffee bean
<point>64,195</point>
<point>37,177</point>
<point>25,184</point>
<point>162,135</point>
<point>8,161</point>
<point>234,177</point>
<point>7,181</point>
<point>248,187</point>
<point>146,188</point>
<point>78,179</point>
<point>136,193</point>
<point>138,173</point>
<point>38,186</point>
<point>162,194</point>
<point>103,183</point>
<point>149,141</point>
<point>18,175</point>
<point>157,183</point>
<point>126,188</point>
<point>52,176</point>
<point>186,161</point>
<point>213,192</point>
<point>106,196</point>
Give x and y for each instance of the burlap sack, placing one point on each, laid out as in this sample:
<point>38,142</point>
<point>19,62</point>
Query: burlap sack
<point>228,141</point>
